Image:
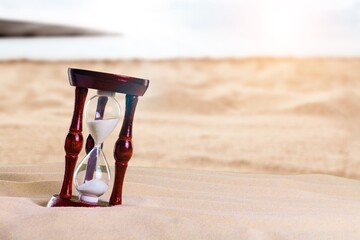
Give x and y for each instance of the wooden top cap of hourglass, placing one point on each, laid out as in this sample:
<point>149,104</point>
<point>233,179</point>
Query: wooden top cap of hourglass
<point>107,82</point>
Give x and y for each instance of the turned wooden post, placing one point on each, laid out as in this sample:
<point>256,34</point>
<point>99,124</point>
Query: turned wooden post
<point>123,149</point>
<point>73,142</point>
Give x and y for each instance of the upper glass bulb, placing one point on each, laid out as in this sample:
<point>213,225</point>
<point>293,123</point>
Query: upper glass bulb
<point>102,113</point>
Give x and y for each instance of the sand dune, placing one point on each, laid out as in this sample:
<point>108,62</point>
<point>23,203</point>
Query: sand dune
<point>273,116</point>
<point>244,115</point>
<point>336,103</point>
<point>178,204</point>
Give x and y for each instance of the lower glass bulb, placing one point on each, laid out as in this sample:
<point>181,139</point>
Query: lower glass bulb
<point>92,176</point>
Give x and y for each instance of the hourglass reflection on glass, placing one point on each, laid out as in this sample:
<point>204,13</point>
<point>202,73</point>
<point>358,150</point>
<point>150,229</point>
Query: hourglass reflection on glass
<point>92,175</point>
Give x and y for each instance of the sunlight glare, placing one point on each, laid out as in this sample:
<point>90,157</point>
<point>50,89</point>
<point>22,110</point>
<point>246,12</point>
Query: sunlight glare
<point>283,28</point>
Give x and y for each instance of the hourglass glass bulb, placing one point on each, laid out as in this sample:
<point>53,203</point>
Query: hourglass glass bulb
<point>100,122</point>
<point>92,175</point>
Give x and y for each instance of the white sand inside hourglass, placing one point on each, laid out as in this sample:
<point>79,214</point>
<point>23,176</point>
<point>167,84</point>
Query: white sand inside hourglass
<point>101,129</point>
<point>92,189</point>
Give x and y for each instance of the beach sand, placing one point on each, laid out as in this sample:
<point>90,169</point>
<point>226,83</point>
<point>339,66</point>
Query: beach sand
<point>234,123</point>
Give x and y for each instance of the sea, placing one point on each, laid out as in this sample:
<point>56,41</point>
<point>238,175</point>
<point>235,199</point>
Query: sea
<point>123,47</point>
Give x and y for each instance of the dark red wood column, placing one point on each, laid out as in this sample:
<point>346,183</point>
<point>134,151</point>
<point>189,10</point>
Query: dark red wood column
<point>73,142</point>
<point>123,149</point>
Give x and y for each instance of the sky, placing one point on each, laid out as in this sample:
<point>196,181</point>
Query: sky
<point>166,28</point>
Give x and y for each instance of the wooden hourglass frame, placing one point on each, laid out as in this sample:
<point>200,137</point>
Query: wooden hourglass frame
<point>82,80</point>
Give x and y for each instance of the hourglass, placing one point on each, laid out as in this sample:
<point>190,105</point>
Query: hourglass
<point>102,113</point>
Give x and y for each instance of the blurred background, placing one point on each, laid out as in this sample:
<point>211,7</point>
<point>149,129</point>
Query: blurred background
<point>245,86</point>
<point>181,28</point>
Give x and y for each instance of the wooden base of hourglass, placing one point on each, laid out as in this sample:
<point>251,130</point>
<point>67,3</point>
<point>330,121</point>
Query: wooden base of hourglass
<point>82,80</point>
